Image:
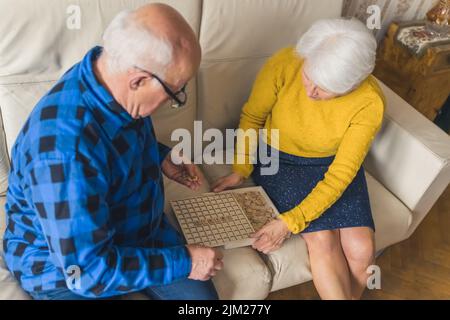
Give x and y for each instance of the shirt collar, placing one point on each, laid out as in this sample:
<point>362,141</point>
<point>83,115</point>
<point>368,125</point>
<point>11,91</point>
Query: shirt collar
<point>107,111</point>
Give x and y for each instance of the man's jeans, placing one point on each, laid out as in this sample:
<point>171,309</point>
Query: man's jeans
<point>181,290</point>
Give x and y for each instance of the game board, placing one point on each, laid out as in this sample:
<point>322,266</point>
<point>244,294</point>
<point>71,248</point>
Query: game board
<point>224,219</point>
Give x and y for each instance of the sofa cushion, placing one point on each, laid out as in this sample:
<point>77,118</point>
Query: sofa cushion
<point>410,157</point>
<point>18,100</point>
<point>245,275</point>
<point>392,220</point>
<point>232,56</point>
<point>10,288</point>
<point>289,264</point>
<point>216,171</point>
<point>16,103</point>
<point>4,160</point>
<point>39,47</point>
<point>2,218</point>
<point>42,39</point>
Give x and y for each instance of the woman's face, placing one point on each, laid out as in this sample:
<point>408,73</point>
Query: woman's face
<point>313,91</point>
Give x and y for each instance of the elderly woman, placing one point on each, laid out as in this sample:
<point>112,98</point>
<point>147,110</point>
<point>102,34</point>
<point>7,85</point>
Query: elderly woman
<point>328,109</point>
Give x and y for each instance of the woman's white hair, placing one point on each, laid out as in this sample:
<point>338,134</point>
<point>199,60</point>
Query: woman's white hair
<point>129,45</point>
<point>339,54</point>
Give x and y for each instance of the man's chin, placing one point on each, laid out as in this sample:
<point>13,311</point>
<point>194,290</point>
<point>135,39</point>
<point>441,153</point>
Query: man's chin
<point>140,115</point>
<point>143,115</point>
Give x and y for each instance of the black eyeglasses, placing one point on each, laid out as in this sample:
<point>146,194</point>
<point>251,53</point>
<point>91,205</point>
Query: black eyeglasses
<point>179,98</point>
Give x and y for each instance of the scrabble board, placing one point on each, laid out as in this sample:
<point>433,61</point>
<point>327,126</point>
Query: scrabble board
<point>224,219</point>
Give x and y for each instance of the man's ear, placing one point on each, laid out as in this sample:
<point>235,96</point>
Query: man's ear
<point>137,79</point>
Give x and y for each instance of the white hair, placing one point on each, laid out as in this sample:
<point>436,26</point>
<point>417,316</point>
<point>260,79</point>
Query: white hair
<point>129,45</point>
<point>339,54</point>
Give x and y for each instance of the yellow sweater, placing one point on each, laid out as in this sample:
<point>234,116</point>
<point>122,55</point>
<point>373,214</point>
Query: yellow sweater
<point>343,127</point>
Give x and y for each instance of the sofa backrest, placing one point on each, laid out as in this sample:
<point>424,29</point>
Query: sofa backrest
<point>237,37</point>
<point>41,41</point>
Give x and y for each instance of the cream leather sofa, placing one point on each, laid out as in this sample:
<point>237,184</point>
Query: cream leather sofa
<point>407,168</point>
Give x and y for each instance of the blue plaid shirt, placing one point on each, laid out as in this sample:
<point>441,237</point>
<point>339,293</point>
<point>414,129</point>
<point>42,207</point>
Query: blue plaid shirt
<point>86,191</point>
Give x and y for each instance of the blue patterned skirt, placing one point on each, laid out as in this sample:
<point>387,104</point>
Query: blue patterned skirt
<point>297,177</point>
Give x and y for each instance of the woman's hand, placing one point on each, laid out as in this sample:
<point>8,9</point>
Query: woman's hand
<point>231,181</point>
<point>271,236</point>
<point>185,173</point>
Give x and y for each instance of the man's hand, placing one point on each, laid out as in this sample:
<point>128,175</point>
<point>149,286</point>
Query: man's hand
<point>227,182</point>
<point>271,236</point>
<point>205,262</point>
<point>185,173</point>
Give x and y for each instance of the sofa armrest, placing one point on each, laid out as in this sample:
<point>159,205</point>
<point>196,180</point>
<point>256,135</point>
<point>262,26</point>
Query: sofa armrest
<point>4,159</point>
<point>410,157</point>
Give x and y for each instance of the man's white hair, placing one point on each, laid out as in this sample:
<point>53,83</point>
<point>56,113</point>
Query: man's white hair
<point>129,45</point>
<point>339,54</point>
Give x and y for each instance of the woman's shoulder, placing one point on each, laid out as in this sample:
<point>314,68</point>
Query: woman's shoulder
<point>372,94</point>
<point>367,102</point>
<point>377,96</point>
<point>285,56</point>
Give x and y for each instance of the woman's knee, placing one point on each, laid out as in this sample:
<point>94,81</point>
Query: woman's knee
<point>359,251</point>
<point>324,242</point>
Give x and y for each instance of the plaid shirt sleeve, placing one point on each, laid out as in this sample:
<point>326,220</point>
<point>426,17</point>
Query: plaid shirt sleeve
<point>70,198</point>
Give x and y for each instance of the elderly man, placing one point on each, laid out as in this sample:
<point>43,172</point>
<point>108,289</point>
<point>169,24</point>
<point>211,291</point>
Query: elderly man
<point>86,191</point>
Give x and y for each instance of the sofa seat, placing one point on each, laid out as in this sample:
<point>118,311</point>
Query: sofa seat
<point>408,166</point>
<point>392,220</point>
<point>10,288</point>
<point>249,276</point>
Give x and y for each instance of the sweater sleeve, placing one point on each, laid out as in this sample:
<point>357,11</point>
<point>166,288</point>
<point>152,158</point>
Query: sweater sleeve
<point>259,105</point>
<point>349,157</point>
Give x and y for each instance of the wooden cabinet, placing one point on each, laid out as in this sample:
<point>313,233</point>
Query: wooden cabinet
<point>422,80</point>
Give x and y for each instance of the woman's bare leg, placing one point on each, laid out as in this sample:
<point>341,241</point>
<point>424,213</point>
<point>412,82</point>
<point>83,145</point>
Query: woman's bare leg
<point>358,245</point>
<point>328,264</point>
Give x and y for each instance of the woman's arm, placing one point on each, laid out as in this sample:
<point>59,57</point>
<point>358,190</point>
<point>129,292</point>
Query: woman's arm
<point>349,157</point>
<point>262,99</point>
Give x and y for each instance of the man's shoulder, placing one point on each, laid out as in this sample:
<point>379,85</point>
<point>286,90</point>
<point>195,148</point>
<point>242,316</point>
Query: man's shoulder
<point>55,126</point>
<point>67,90</point>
